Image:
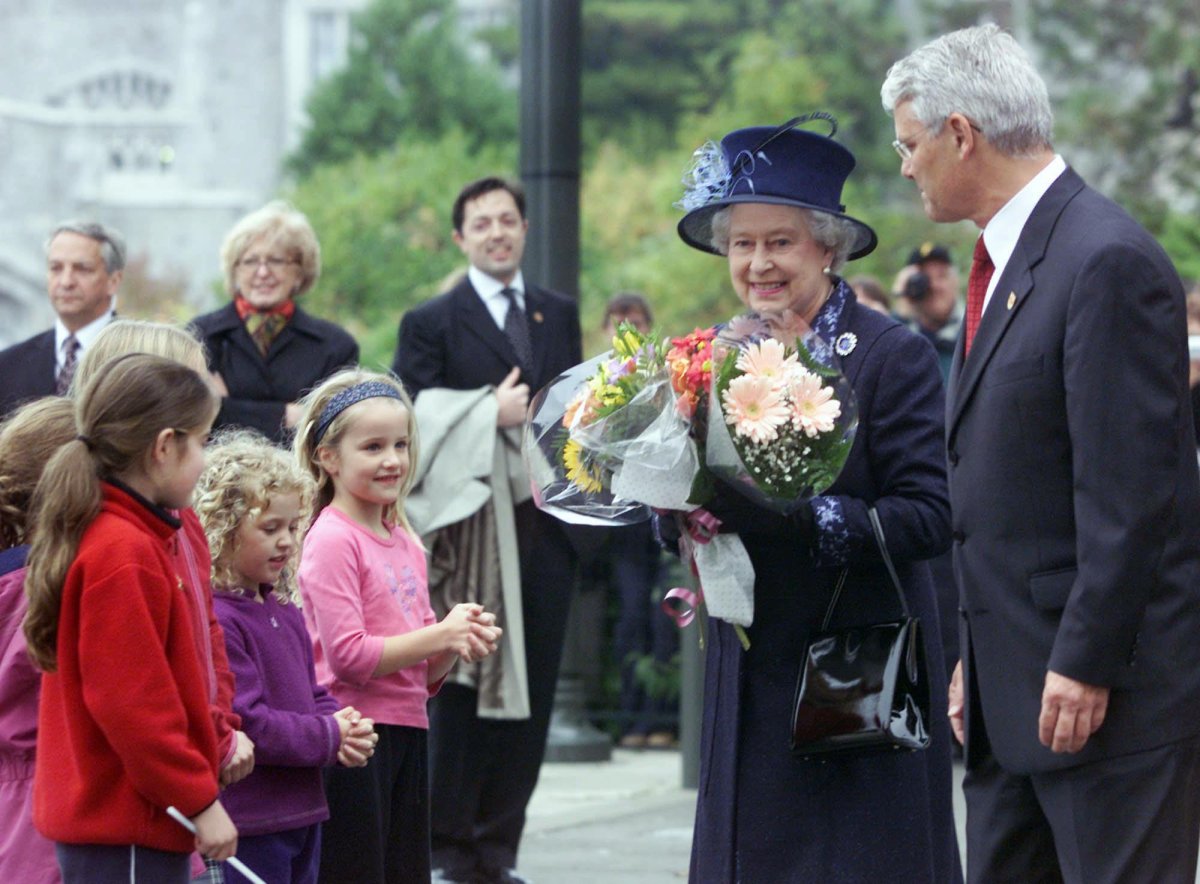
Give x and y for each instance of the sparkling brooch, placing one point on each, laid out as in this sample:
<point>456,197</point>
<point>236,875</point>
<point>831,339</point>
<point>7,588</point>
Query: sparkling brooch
<point>845,343</point>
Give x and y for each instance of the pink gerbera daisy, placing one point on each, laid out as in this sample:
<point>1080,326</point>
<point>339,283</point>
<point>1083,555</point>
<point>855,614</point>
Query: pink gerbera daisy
<point>814,410</point>
<point>765,360</point>
<point>755,408</point>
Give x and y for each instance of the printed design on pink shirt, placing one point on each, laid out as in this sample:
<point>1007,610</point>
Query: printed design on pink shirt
<point>405,588</point>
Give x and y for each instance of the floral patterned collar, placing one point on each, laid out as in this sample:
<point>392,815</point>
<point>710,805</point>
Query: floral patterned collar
<point>829,318</point>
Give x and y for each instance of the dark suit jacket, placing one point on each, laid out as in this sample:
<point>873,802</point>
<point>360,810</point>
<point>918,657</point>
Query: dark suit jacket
<point>307,351</point>
<point>27,371</point>
<point>452,341</point>
<point>1074,487</point>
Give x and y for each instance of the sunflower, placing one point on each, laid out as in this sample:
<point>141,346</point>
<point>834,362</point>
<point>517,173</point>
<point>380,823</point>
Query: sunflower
<point>583,476</point>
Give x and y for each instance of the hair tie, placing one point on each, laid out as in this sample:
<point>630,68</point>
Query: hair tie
<point>352,396</point>
<point>88,444</point>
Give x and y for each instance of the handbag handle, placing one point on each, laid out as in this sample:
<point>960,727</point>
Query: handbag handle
<point>877,528</point>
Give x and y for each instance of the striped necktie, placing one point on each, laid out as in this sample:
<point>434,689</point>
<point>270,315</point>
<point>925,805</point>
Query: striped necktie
<point>516,329</point>
<point>70,349</point>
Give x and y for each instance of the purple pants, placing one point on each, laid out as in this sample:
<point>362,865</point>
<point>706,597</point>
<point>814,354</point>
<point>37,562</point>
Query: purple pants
<point>291,857</point>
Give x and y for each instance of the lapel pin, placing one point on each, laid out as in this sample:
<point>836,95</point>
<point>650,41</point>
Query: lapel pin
<point>537,316</point>
<point>1012,299</point>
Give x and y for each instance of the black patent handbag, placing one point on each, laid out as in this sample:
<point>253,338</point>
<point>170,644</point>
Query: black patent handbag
<point>863,689</point>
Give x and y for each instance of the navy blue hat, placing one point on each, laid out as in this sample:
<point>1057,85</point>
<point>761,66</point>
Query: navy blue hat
<point>767,164</point>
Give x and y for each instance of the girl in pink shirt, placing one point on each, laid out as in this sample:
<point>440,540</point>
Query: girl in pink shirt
<point>376,643</point>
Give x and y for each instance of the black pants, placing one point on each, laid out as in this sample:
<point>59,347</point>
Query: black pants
<point>1124,820</point>
<point>378,827</point>
<point>484,770</point>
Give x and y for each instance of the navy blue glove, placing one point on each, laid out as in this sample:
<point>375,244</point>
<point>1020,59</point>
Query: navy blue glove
<point>740,515</point>
<point>666,531</point>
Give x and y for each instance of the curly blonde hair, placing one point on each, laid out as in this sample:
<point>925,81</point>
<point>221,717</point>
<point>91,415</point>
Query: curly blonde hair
<point>243,471</point>
<point>307,448</point>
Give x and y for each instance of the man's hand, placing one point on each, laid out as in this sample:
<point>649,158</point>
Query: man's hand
<point>1071,712</point>
<point>956,704</point>
<point>512,398</point>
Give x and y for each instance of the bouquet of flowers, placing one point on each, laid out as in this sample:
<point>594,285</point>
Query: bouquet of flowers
<point>640,428</point>
<point>782,417</point>
<point>591,424</point>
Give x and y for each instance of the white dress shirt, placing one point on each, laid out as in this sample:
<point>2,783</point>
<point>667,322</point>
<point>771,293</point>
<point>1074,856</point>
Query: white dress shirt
<point>489,288</point>
<point>1002,232</point>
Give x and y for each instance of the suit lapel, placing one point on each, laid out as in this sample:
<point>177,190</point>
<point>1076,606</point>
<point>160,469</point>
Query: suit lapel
<point>47,361</point>
<point>1012,289</point>
<point>477,321</point>
<point>535,315</point>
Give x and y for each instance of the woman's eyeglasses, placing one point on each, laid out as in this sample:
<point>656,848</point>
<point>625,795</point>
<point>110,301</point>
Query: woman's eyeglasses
<point>271,262</point>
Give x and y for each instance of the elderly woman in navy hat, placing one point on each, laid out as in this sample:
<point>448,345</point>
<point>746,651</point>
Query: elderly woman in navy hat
<point>769,200</point>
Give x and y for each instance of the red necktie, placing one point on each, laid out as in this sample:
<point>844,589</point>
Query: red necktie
<point>977,286</point>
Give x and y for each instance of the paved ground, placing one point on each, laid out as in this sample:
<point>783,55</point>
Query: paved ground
<point>625,821</point>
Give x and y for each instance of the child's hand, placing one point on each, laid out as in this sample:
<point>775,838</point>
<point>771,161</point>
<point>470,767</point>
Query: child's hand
<point>241,762</point>
<point>358,745</point>
<point>216,835</point>
<point>358,737</point>
<point>470,632</point>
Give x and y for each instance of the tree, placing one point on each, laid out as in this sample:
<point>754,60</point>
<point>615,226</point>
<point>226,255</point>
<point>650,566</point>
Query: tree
<point>409,75</point>
<point>383,222</point>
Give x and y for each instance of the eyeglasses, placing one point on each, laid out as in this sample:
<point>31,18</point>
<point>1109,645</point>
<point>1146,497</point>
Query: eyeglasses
<point>271,262</point>
<point>902,147</point>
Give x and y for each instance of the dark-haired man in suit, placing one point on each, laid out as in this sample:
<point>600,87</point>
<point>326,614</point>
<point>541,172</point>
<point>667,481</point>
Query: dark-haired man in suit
<point>493,331</point>
<point>1073,489</point>
<point>84,264</point>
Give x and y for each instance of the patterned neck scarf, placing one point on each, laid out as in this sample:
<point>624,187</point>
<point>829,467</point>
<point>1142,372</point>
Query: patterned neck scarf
<point>264,326</point>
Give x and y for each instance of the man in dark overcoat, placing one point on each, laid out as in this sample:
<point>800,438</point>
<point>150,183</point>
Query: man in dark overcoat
<point>494,330</point>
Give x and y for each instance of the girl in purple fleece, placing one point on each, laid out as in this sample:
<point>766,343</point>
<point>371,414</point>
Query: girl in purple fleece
<point>253,501</point>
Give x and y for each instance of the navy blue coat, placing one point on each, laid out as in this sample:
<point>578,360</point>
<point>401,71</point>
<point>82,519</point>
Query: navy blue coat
<point>762,814</point>
<point>307,351</point>
<point>1074,485</point>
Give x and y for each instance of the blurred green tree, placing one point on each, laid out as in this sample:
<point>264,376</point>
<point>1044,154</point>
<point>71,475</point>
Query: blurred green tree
<point>409,75</point>
<point>383,222</point>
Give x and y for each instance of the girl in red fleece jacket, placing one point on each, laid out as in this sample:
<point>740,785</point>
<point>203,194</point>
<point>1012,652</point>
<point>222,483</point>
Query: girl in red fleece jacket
<point>124,729</point>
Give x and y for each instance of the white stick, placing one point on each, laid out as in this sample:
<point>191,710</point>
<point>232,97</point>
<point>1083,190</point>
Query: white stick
<point>174,813</point>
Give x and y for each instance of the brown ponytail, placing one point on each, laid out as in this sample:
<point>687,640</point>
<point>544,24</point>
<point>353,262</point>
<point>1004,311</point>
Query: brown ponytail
<point>119,414</point>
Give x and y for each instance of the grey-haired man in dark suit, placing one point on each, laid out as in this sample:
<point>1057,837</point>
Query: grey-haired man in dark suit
<point>84,264</point>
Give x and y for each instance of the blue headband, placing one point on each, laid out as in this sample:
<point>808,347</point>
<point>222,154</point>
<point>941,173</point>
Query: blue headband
<point>352,396</point>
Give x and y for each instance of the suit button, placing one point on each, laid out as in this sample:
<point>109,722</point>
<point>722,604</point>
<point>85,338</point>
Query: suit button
<point>958,536</point>
<point>952,456</point>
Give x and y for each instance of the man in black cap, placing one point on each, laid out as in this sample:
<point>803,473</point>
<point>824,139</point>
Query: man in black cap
<point>929,286</point>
